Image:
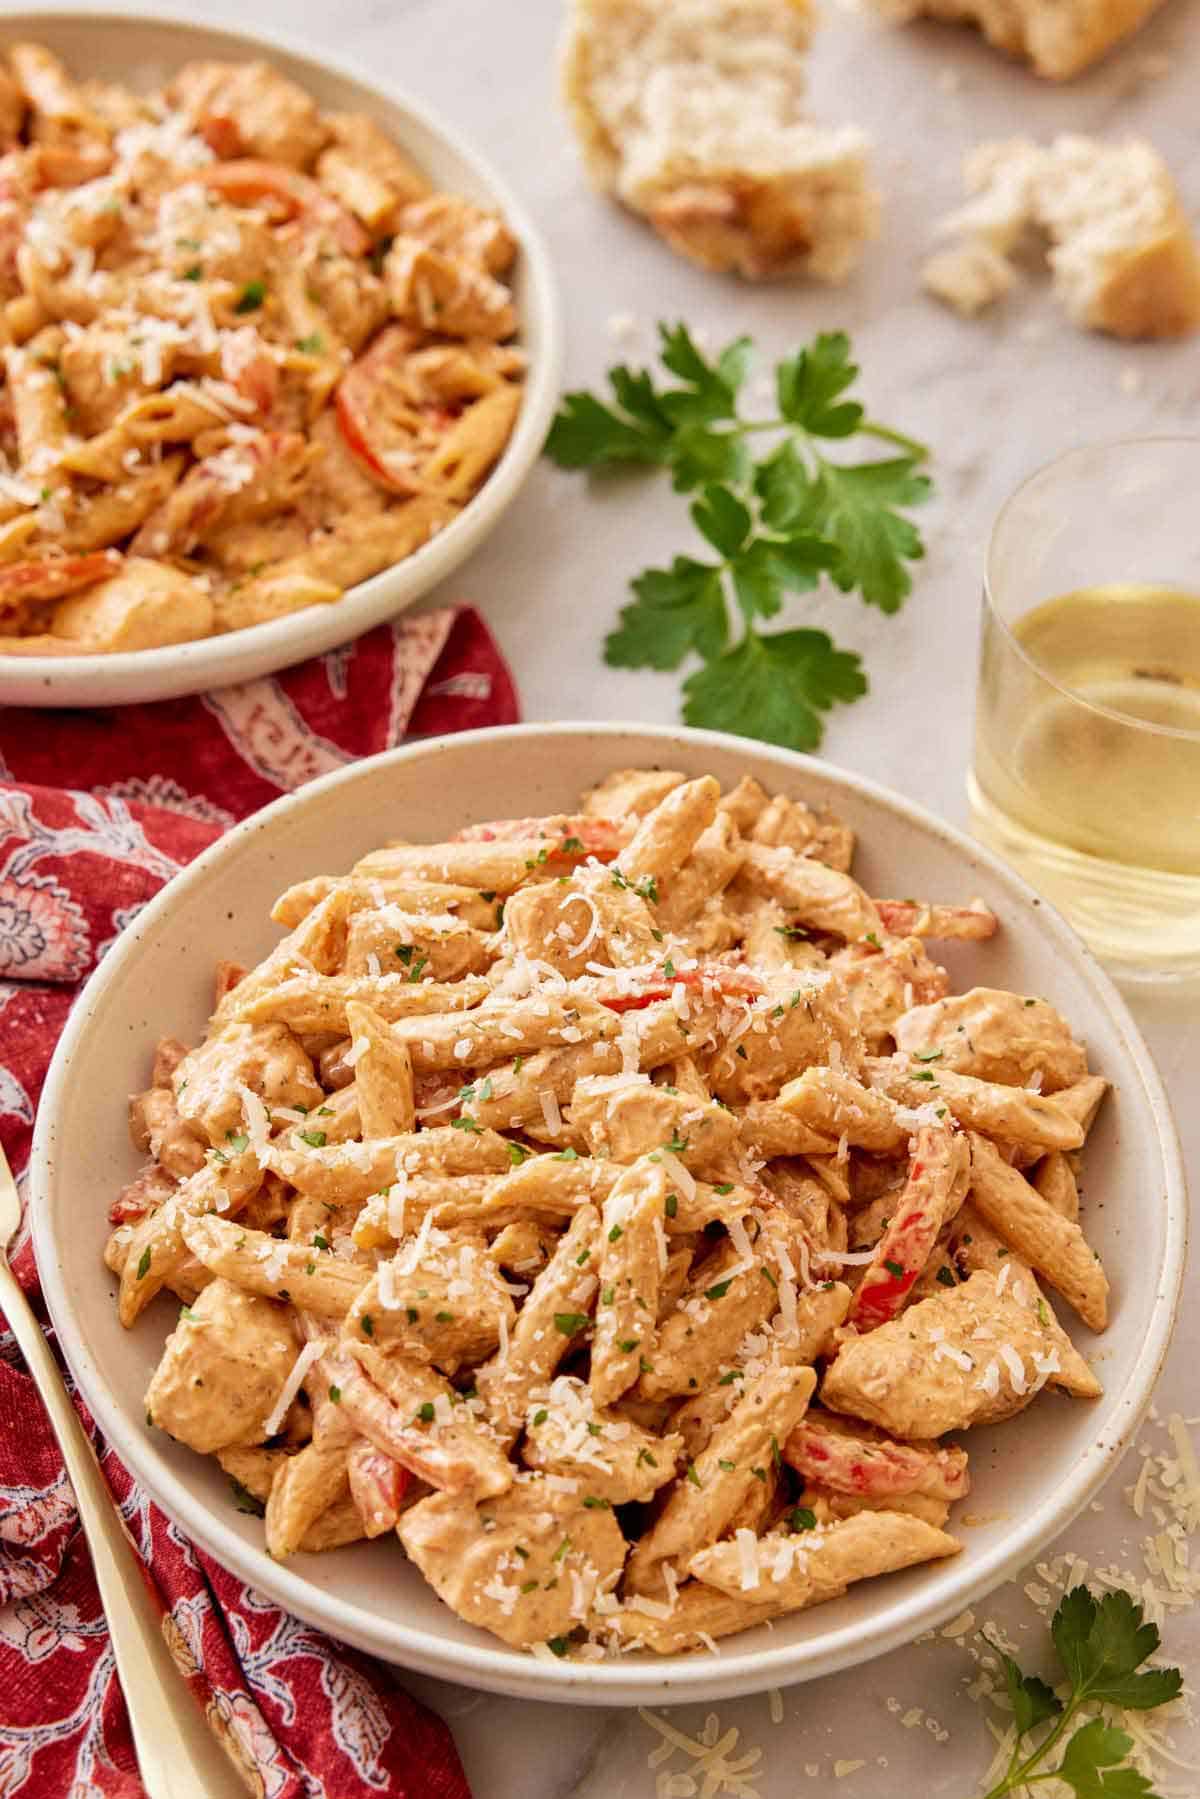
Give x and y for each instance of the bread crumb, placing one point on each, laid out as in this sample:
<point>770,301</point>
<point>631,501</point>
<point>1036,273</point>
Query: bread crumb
<point>1117,240</point>
<point>969,278</point>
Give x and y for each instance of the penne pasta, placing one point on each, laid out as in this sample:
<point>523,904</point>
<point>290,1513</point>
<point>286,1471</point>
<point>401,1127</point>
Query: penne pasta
<point>609,1205</point>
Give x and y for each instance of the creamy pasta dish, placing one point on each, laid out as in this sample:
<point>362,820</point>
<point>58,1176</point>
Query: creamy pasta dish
<point>619,1209</point>
<point>250,355</point>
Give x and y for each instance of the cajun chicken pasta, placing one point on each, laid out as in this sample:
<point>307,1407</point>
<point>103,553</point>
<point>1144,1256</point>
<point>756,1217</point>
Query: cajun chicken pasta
<point>619,1209</point>
<point>250,355</point>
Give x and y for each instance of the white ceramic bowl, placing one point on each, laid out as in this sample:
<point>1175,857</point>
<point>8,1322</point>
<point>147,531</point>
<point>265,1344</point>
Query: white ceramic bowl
<point>1030,1476</point>
<point>143,51</point>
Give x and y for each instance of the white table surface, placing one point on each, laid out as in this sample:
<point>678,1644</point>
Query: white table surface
<point>994,398</point>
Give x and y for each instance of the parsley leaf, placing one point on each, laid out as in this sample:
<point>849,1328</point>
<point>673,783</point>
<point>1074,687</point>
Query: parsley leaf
<point>677,609</point>
<point>1032,1700</point>
<point>1089,1766</point>
<point>779,524</point>
<point>774,688</point>
<point>807,384</point>
<point>587,434</point>
<point>873,539</point>
<point>1101,1644</point>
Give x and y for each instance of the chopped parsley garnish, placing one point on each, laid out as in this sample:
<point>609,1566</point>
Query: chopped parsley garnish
<point>143,1267</point>
<point>424,1413</point>
<point>316,1139</point>
<point>718,1291</point>
<point>368,1325</point>
<point>693,1477</point>
<point>671,1204</point>
<point>616,1233</point>
<point>335,1395</point>
<point>466,1123</point>
<point>725,1187</point>
<point>251,297</point>
<point>517,1153</point>
<point>802,1517</point>
<point>312,345</point>
<point>894,1268</point>
<point>540,1416</point>
<point>567,1155</point>
<point>570,1323</point>
<point>677,1146</point>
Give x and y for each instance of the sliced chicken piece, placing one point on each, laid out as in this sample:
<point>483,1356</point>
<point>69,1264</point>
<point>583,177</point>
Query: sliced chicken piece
<point>526,1565</point>
<point>995,1036</point>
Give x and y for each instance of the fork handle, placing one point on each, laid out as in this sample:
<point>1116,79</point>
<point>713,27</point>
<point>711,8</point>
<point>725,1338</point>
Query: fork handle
<point>179,1757</point>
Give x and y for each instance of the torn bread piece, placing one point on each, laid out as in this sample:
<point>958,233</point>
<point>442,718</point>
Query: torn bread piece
<point>694,115</point>
<point>1117,239</point>
<point>1058,38</point>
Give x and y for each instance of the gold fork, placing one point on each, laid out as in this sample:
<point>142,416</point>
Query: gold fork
<point>178,1755</point>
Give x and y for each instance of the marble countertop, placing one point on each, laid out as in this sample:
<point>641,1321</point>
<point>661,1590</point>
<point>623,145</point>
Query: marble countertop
<point>995,398</point>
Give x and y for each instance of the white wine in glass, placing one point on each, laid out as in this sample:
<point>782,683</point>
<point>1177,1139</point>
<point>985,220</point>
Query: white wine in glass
<point>1087,744</point>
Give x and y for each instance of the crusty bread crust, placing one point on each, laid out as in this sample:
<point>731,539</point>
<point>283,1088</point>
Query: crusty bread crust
<point>1059,38</point>
<point>762,196</point>
<point>1154,292</point>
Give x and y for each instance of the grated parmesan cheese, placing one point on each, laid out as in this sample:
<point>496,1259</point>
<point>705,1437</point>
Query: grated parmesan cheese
<point>312,1352</point>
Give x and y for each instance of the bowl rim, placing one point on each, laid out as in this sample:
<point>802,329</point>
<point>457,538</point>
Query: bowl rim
<point>255,650</point>
<point>633,1681</point>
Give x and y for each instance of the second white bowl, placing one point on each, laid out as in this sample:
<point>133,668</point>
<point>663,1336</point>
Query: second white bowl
<point>1030,1476</point>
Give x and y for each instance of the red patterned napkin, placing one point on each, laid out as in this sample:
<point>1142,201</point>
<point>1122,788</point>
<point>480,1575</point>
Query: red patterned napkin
<point>97,811</point>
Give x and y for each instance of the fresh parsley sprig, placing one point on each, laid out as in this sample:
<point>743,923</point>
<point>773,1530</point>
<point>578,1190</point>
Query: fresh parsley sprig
<point>778,523</point>
<point>1101,1645</point>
